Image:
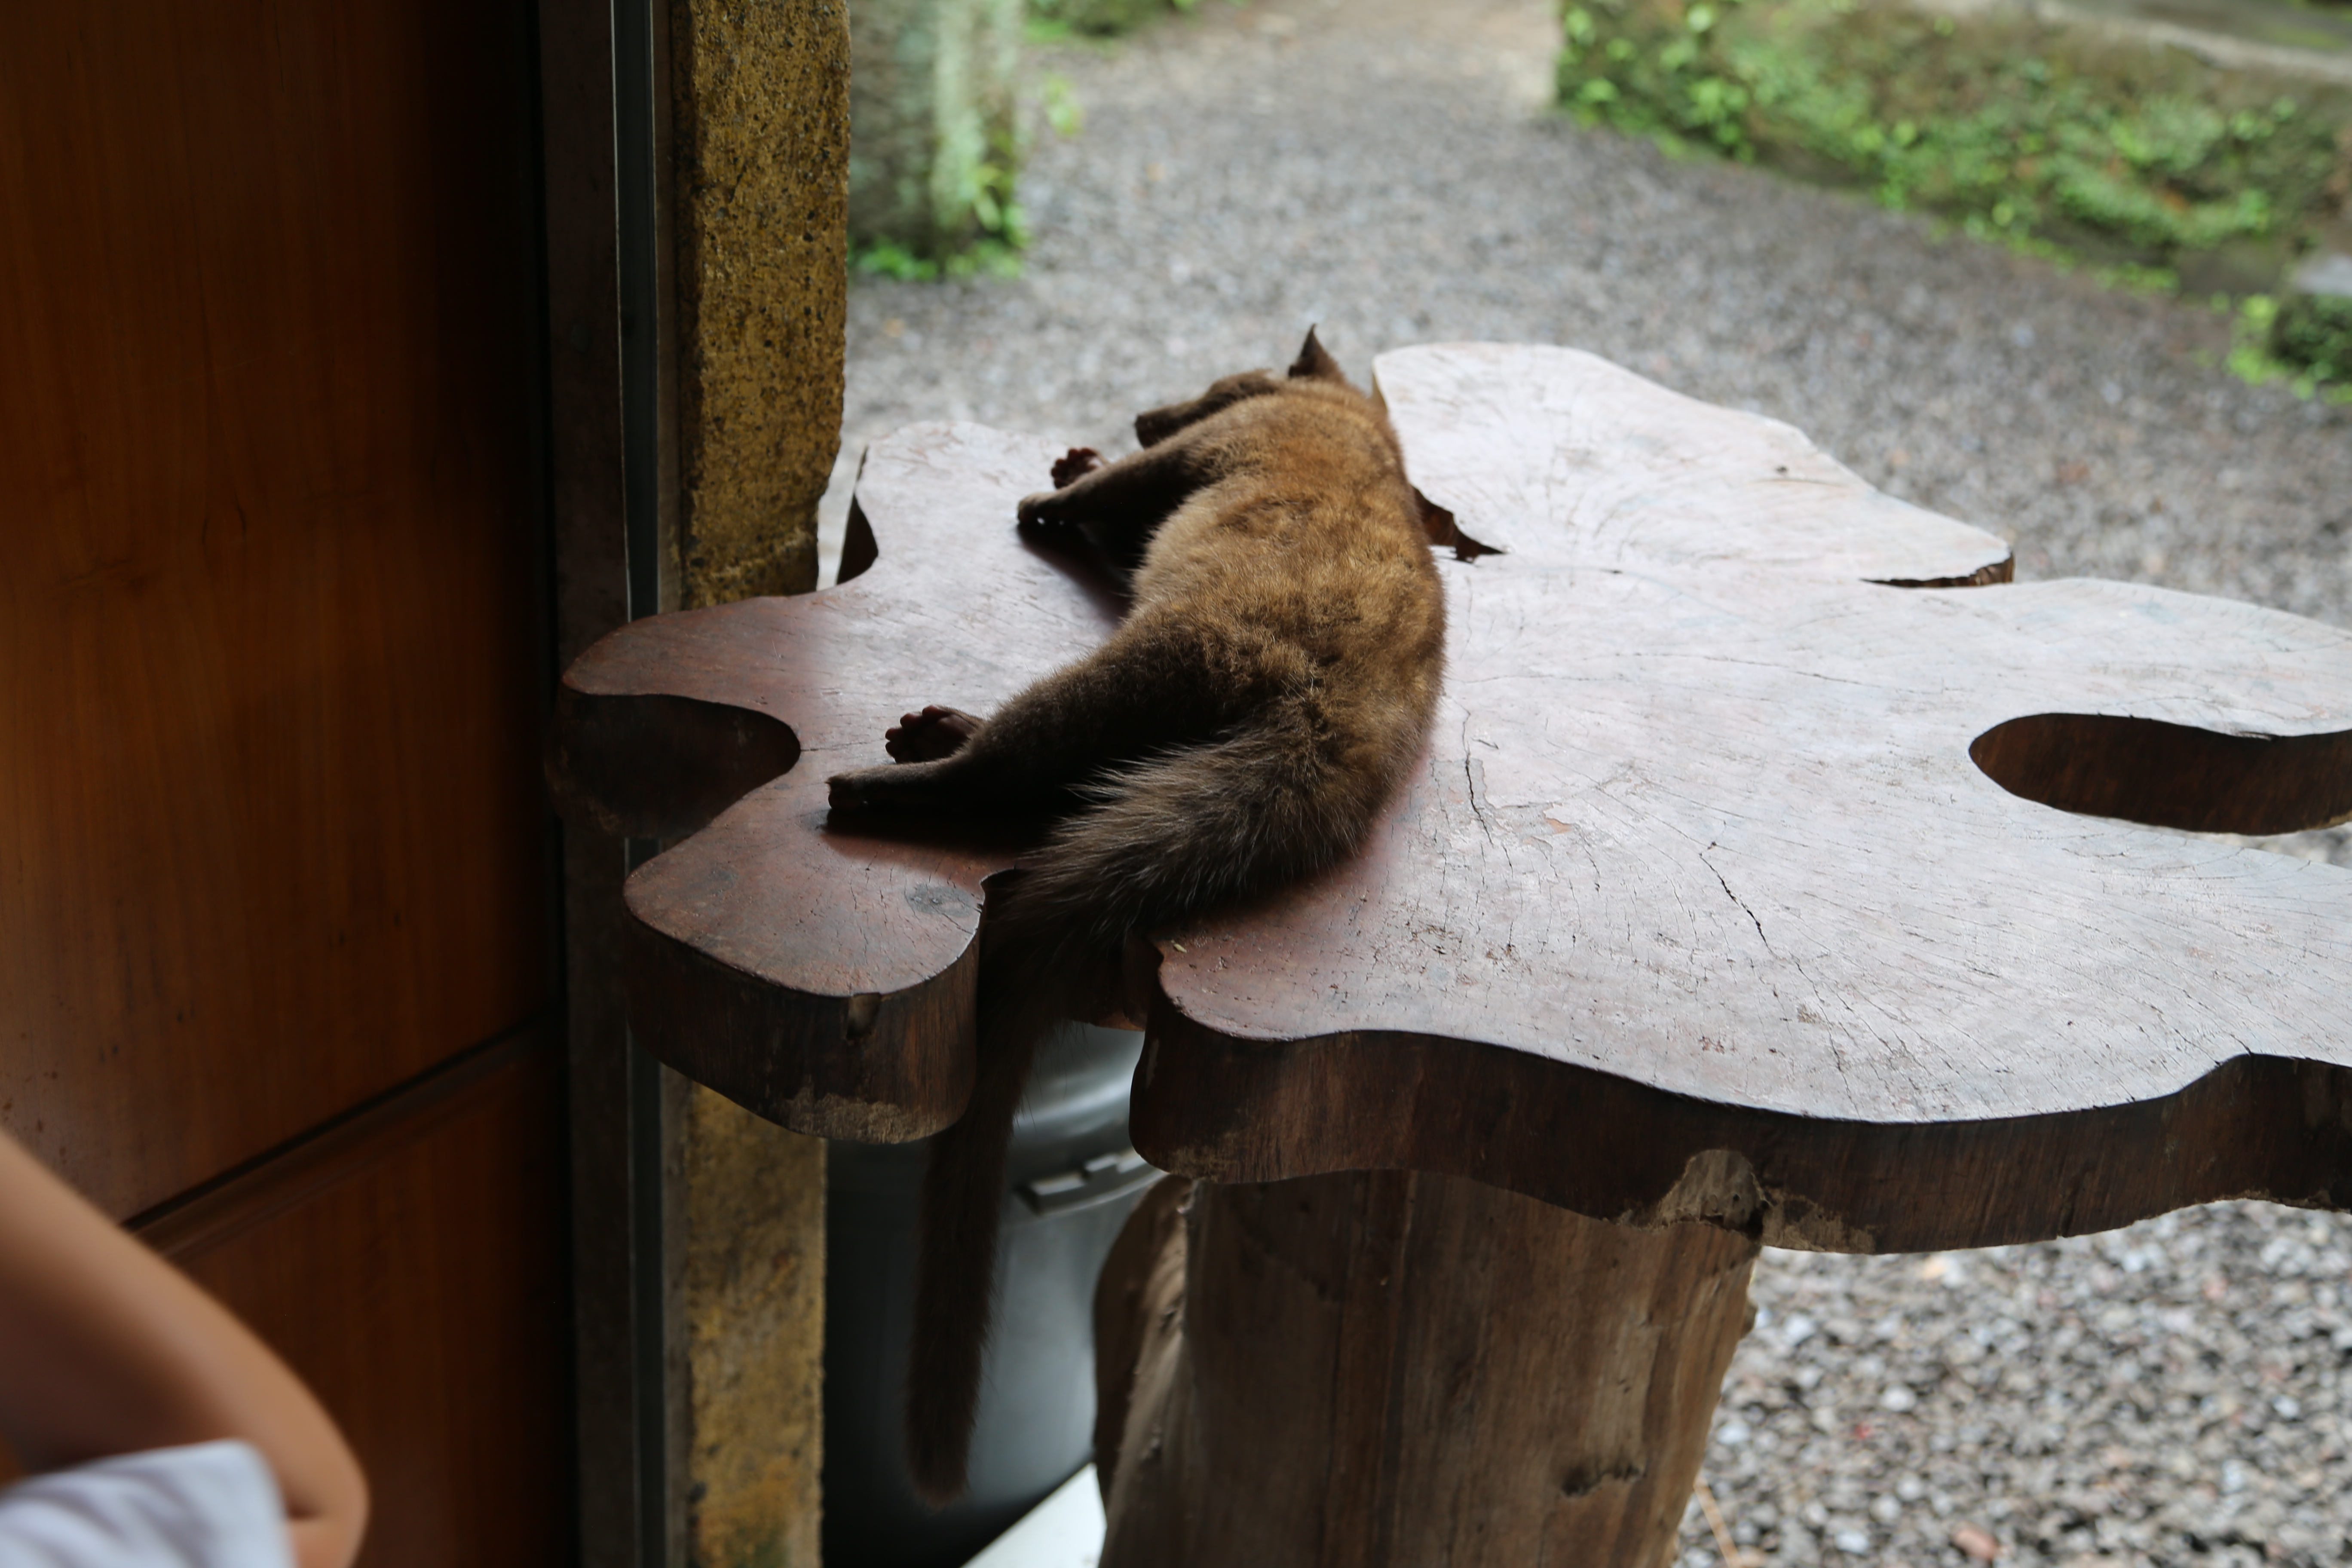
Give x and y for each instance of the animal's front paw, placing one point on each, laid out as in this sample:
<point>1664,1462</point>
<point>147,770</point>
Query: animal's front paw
<point>928,736</point>
<point>1074,465</point>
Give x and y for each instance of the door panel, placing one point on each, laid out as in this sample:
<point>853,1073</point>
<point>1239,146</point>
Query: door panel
<point>412,1272</point>
<point>273,852</point>
<point>270,832</point>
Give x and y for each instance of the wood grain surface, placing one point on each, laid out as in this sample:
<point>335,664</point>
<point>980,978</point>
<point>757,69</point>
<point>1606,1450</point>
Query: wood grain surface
<point>267,634</point>
<point>1700,905</point>
<point>816,973</point>
<point>273,856</point>
<point>417,1282</point>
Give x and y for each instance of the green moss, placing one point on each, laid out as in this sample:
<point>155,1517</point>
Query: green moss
<point>2149,164</point>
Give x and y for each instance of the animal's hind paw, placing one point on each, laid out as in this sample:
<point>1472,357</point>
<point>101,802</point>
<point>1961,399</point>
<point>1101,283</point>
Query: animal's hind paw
<point>847,791</point>
<point>1035,512</point>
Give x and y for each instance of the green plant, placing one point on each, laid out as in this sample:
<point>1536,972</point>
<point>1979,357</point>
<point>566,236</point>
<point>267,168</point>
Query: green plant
<point>2261,354</point>
<point>982,258</point>
<point>990,194</point>
<point>1056,20</point>
<point>888,259</point>
<point>1063,110</point>
<point>2131,166</point>
<point>1666,88</point>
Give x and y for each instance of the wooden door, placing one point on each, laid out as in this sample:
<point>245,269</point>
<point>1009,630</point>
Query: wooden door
<point>275,960</point>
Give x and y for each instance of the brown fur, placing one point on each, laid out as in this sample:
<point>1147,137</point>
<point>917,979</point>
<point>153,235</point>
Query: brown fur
<point>1271,685</point>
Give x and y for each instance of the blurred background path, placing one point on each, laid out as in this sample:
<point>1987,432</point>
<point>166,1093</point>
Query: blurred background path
<point>2168,1394</point>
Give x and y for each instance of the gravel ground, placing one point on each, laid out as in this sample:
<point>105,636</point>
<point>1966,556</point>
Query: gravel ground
<point>2167,1393</point>
<point>2163,1394</point>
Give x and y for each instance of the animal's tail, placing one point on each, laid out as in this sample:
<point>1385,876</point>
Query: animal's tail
<point>1204,825</point>
<point>963,1192</point>
<point>1165,839</point>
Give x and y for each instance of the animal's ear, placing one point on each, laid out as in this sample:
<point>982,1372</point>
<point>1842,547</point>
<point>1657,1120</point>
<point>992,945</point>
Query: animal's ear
<point>1314,360</point>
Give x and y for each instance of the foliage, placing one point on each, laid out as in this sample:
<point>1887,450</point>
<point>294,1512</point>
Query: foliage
<point>989,192</point>
<point>2005,127</point>
<point>979,194</point>
<point>1053,20</point>
<point>982,230</point>
<point>984,258</point>
<point>2306,342</point>
<point>1060,103</point>
<point>995,252</point>
<point>2315,329</point>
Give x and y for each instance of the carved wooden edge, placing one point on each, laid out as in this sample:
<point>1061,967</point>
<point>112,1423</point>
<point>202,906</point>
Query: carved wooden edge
<point>878,1068</point>
<point>2258,1127</point>
<point>859,548</point>
<point>1483,423</point>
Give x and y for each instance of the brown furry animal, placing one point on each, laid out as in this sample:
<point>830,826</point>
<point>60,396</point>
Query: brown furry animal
<point>1272,682</point>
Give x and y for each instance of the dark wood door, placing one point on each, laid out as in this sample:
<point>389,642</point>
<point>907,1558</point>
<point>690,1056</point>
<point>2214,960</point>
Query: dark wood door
<point>273,856</point>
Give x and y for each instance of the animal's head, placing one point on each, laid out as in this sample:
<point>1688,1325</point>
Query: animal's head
<point>1313,364</point>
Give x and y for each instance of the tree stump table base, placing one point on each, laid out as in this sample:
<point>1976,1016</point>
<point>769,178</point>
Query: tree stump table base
<point>1386,1368</point>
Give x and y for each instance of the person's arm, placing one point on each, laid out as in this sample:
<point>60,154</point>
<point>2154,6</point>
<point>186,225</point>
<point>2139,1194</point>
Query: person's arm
<point>106,1349</point>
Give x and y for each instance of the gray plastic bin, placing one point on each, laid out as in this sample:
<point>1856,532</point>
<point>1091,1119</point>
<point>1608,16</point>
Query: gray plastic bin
<point>1073,1176</point>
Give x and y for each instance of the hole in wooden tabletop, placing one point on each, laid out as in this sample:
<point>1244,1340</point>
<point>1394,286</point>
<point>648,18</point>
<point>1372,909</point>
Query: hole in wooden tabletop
<point>1445,532</point>
<point>2001,571</point>
<point>654,765</point>
<point>2171,776</point>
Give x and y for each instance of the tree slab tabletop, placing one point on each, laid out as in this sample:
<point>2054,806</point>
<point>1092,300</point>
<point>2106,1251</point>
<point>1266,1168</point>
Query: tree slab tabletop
<point>1775,861</point>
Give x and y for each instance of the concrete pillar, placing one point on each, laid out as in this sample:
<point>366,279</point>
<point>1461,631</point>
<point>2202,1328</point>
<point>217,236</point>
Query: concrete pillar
<point>760,122</point>
<point>758,213</point>
<point>747,1334</point>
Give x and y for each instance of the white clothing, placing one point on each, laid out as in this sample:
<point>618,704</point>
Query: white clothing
<point>208,1505</point>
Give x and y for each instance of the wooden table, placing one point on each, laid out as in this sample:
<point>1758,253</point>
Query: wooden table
<point>1750,893</point>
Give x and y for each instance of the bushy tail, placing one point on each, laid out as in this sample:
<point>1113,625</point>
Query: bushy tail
<point>1165,840</point>
<point>1201,827</point>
